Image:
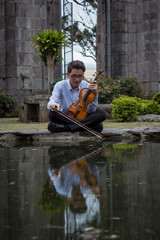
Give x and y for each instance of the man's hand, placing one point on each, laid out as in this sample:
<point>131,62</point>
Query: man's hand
<point>55,106</point>
<point>94,87</point>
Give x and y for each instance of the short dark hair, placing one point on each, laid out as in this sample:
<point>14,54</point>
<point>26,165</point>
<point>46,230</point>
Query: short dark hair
<point>76,65</point>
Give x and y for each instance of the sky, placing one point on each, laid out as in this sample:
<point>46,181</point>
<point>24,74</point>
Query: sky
<point>89,62</point>
<point>77,14</point>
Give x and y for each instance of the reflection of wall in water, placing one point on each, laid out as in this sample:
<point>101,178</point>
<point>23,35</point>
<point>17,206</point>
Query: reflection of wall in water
<point>136,192</point>
<point>27,172</point>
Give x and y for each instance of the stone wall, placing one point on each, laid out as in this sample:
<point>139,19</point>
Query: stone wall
<point>134,40</point>
<point>21,71</point>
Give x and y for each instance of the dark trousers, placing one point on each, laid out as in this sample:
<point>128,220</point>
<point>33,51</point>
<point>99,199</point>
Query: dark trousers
<point>93,120</point>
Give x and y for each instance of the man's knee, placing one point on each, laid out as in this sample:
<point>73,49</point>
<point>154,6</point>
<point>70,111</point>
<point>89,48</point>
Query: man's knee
<point>102,115</point>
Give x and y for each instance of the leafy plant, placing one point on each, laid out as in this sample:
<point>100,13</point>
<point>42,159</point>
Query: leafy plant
<point>149,107</point>
<point>125,108</point>
<point>109,89</point>
<point>51,202</point>
<point>156,97</point>
<point>130,86</point>
<point>6,104</point>
<point>49,45</point>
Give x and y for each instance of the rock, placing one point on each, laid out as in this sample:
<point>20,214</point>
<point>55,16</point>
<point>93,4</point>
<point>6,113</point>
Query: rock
<point>107,108</point>
<point>149,117</point>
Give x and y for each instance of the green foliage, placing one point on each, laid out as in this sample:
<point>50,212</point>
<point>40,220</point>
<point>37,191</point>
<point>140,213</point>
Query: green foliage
<point>125,147</point>
<point>6,104</point>
<point>156,97</point>
<point>51,202</point>
<point>125,108</point>
<point>50,42</point>
<point>122,152</point>
<point>130,86</point>
<point>149,107</point>
<point>109,89</point>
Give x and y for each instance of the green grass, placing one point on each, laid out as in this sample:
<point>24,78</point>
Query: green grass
<point>8,124</point>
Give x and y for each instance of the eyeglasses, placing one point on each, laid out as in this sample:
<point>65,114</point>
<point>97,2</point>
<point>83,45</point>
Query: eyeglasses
<point>74,77</point>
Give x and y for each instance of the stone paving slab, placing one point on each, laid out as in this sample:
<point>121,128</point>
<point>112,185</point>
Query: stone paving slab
<point>139,133</point>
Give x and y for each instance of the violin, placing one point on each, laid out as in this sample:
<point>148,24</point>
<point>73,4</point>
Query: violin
<point>78,110</point>
<point>81,169</point>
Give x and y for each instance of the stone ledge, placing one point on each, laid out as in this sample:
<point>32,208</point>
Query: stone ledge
<point>110,134</point>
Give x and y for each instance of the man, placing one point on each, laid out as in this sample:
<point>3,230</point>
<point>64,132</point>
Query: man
<point>65,93</point>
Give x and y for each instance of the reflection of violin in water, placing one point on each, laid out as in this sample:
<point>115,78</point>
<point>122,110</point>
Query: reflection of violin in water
<point>81,169</point>
<point>86,96</point>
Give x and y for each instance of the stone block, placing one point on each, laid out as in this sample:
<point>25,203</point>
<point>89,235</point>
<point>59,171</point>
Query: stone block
<point>25,1</point>
<point>10,9</point>
<point>141,67</point>
<point>33,11</point>
<point>27,83</point>
<point>24,59</point>
<point>34,109</point>
<point>153,25</point>
<point>107,108</point>
<point>41,2</point>
<point>11,83</point>
<point>2,21</point>
<point>132,38</point>
<point>2,59</point>
<point>35,23</point>
<point>11,58</point>
<point>2,86</point>
<point>2,36</point>
<point>153,6</point>
<point>23,22</point>
<point>132,53</point>
<point>155,76</point>
<point>2,71</point>
<point>2,9</point>
<point>43,12</point>
<point>10,45</point>
<point>37,72</point>
<point>11,72</point>
<point>132,28</point>
<point>118,6</point>
<point>154,88</point>
<point>24,46</point>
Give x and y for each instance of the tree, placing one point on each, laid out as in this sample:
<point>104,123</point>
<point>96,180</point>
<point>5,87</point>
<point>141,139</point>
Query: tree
<point>49,45</point>
<point>82,32</point>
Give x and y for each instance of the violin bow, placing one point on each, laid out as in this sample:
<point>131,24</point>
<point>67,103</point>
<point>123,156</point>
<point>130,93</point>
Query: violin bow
<point>79,124</point>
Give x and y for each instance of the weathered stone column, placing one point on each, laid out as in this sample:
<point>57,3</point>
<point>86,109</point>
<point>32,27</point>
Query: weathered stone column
<point>21,71</point>
<point>135,40</point>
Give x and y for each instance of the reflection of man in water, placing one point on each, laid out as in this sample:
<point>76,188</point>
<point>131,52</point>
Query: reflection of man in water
<point>79,182</point>
<point>77,201</point>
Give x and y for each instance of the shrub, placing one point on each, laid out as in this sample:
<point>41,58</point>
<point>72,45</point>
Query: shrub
<point>6,104</point>
<point>131,87</point>
<point>156,97</point>
<point>125,108</point>
<point>109,89</point>
<point>149,107</point>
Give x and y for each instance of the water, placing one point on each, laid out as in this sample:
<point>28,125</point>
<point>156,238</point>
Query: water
<point>80,191</point>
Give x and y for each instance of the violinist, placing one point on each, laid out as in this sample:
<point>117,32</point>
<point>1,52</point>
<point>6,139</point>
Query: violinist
<point>65,93</point>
